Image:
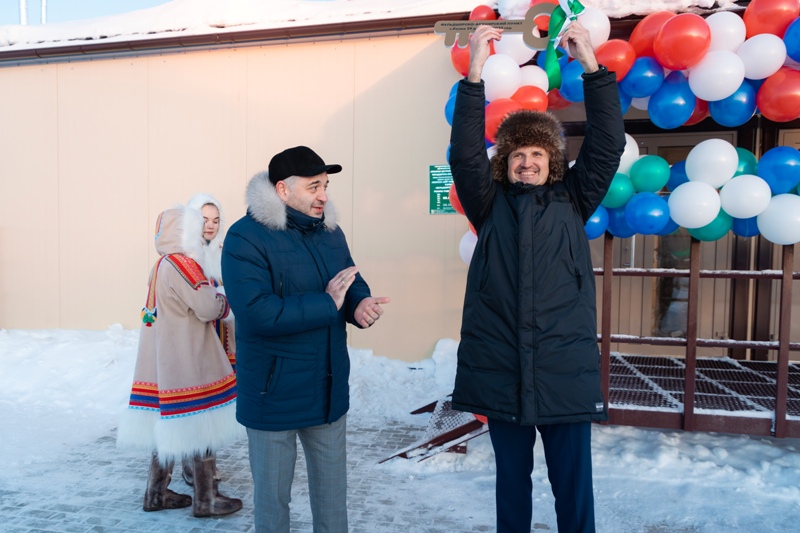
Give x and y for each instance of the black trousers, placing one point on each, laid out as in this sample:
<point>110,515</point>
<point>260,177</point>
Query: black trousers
<point>567,451</point>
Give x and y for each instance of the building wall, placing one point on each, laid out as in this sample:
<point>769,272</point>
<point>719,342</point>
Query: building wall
<point>91,152</point>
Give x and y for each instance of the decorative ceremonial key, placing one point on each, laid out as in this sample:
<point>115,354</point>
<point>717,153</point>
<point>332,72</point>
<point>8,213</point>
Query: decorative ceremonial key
<point>463,28</point>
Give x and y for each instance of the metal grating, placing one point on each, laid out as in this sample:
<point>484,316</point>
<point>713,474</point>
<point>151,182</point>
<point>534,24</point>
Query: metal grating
<point>638,397</point>
<point>445,419</point>
<point>721,384</point>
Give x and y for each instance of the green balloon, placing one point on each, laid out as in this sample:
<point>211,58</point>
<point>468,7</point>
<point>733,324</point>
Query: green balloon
<point>714,230</point>
<point>619,192</point>
<point>650,173</point>
<point>747,162</point>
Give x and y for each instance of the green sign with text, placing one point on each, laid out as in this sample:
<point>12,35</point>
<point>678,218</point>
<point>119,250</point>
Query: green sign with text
<point>440,180</point>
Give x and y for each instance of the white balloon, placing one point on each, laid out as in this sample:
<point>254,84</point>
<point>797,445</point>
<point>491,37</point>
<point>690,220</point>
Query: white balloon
<point>512,45</point>
<point>640,103</point>
<point>694,204</point>
<point>501,76</point>
<point>467,246</point>
<point>780,221</point>
<point>728,31</point>
<point>762,55</point>
<point>717,75</point>
<point>534,75</point>
<point>745,196</point>
<point>629,156</point>
<point>491,151</point>
<point>597,24</point>
<point>713,161</point>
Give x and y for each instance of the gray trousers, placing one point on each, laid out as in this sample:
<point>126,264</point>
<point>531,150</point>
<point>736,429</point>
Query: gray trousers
<point>273,455</point>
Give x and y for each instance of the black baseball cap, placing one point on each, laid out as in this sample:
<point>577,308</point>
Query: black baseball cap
<point>298,161</point>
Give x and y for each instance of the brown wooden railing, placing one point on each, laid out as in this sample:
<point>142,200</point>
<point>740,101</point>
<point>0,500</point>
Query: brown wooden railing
<point>781,427</point>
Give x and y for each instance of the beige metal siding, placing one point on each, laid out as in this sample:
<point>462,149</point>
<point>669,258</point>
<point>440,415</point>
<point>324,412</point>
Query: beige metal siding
<point>91,151</point>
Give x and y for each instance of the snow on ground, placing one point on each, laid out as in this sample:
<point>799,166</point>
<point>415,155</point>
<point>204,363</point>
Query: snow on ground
<point>61,390</point>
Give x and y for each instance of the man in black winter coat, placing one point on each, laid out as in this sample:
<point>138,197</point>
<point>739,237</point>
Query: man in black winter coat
<point>528,357</point>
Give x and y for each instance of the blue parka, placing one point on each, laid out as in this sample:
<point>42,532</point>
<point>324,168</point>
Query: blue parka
<point>528,352</point>
<point>292,361</point>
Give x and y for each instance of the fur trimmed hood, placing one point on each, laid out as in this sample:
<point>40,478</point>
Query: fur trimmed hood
<point>212,250</point>
<point>264,205</point>
<point>530,128</point>
<point>179,230</point>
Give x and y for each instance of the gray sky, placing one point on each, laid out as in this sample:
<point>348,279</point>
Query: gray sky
<point>63,10</point>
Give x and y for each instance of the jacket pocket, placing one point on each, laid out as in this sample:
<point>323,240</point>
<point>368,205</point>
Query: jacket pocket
<point>573,258</point>
<point>483,258</point>
<point>292,385</point>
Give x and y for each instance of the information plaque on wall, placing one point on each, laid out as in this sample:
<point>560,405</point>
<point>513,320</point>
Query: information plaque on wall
<point>440,180</point>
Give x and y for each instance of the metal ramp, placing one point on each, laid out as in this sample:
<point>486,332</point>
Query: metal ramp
<point>448,431</point>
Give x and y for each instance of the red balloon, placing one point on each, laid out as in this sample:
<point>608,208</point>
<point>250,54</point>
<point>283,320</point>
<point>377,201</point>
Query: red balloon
<point>646,30</point>
<point>778,98</point>
<point>617,55</point>
<point>530,97</point>
<point>699,114</point>
<point>472,228</point>
<point>682,41</point>
<point>496,111</point>
<point>555,101</point>
<point>483,13</point>
<point>770,16</point>
<point>454,201</point>
<point>459,57</point>
<point>543,21</point>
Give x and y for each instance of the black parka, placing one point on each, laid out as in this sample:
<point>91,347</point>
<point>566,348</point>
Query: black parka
<point>528,352</point>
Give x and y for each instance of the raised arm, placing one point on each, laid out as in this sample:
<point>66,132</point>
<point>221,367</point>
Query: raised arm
<point>469,162</point>
<point>604,140</point>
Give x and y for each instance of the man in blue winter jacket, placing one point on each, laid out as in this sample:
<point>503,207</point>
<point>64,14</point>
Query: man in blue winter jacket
<point>528,357</point>
<point>293,286</point>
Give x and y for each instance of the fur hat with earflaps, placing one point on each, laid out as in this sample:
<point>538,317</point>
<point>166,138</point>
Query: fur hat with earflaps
<point>530,128</point>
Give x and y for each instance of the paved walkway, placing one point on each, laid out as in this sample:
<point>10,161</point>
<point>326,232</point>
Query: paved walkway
<point>99,489</point>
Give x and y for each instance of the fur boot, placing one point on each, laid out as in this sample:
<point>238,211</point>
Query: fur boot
<point>157,496</point>
<point>188,471</point>
<point>207,499</point>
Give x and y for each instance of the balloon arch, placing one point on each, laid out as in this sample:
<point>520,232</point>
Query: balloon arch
<point>681,69</point>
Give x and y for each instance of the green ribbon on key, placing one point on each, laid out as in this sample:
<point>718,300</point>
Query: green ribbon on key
<point>562,16</point>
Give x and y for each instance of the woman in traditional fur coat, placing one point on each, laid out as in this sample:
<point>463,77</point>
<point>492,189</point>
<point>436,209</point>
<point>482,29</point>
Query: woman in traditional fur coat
<point>183,399</point>
<point>214,230</point>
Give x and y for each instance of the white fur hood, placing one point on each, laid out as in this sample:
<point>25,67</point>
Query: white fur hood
<point>179,230</point>
<point>212,250</point>
<point>264,205</point>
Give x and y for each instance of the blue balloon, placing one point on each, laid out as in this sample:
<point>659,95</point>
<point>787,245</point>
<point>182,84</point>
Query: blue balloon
<point>792,40</point>
<point>647,213</point>
<point>572,82</point>
<point>737,108</point>
<point>561,54</point>
<point>745,227</point>
<point>624,100</point>
<point>644,78</point>
<point>617,225</point>
<point>670,227</point>
<point>677,175</point>
<point>673,103</point>
<point>597,223</point>
<point>448,154</point>
<point>449,107</point>
<point>454,88</point>
<point>780,168</point>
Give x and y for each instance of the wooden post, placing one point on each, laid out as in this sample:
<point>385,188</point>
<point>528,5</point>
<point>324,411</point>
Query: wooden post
<point>605,320</point>
<point>784,330</point>
<point>691,334</point>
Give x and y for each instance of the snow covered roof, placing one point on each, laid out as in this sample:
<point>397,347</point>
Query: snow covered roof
<point>209,21</point>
